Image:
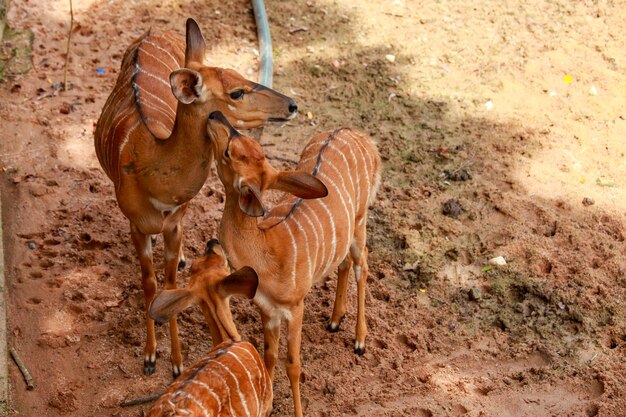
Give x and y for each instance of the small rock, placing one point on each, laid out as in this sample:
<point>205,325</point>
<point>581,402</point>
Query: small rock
<point>593,91</point>
<point>391,58</point>
<point>411,267</point>
<point>489,105</point>
<point>452,208</point>
<point>460,174</point>
<point>316,70</point>
<point>498,261</point>
<point>507,380</point>
<point>66,108</point>
<point>32,245</point>
<point>330,389</point>
<point>474,294</point>
<point>588,201</point>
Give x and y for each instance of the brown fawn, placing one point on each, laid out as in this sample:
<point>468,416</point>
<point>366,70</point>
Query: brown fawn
<point>318,226</point>
<point>153,145</point>
<point>232,379</point>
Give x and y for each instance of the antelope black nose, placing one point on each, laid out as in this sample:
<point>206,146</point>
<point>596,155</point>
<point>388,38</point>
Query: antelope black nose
<point>293,107</point>
<point>210,245</point>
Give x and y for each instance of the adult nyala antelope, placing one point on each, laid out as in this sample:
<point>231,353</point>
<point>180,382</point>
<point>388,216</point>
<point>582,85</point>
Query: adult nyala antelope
<point>153,145</point>
<point>320,225</point>
<point>232,380</point>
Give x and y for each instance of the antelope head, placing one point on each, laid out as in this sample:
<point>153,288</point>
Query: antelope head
<point>208,89</point>
<point>242,167</point>
<point>211,286</point>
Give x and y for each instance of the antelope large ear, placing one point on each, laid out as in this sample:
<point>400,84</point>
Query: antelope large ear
<point>196,47</point>
<point>300,184</point>
<point>169,303</point>
<point>242,282</point>
<point>250,200</point>
<point>186,85</point>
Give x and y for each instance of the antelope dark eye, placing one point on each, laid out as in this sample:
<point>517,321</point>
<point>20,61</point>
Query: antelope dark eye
<point>226,154</point>
<point>236,94</point>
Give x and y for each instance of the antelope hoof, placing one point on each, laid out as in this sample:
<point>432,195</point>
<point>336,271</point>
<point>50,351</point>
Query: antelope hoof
<point>332,327</point>
<point>149,364</point>
<point>359,348</point>
<point>177,370</point>
<point>181,265</point>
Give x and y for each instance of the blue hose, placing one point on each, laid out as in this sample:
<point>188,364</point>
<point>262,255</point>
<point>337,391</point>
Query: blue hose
<point>265,43</point>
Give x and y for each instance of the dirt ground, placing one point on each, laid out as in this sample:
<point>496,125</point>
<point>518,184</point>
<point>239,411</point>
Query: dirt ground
<point>495,120</point>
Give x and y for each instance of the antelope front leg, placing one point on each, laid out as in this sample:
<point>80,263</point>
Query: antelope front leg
<point>143,246</point>
<point>271,333</point>
<point>340,298</point>
<point>172,238</point>
<point>294,340</point>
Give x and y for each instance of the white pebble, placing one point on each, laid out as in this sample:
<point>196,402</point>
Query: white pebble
<point>593,91</point>
<point>553,93</point>
<point>489,105</point>
<point>390,58</point>
<point>498,260</point>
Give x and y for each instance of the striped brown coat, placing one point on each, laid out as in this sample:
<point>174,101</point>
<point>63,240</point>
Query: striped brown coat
<point>319,227</point>
<point>151,141</point>
<point>230,381</point>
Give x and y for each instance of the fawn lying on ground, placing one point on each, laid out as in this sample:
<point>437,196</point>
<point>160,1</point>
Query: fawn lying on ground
<point>158,158</point>
<point>319,227</point>
<point>232,379</point>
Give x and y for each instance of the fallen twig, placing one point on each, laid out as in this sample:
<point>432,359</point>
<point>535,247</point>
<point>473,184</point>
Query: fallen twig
<point>67,52</point>
<point>142,400</point>
<point>30,384</point>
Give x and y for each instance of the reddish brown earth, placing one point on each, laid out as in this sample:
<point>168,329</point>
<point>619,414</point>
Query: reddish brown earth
<point>476,88</point>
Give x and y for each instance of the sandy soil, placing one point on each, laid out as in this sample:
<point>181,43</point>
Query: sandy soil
<point>515,111</point>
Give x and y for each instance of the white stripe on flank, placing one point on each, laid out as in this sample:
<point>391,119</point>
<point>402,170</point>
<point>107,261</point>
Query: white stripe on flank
<point>149,74</point>
<point>317,238</point>
<point>108,149</point>
<point>307,160</point>
<point>295,253</point>
<point>210,390</point>
<point>356,169</point>
<point>198,403</point>
<point>306,241</point>
<point>176,64</point>
<point>329,163</point>
<point>348,170</point>
<point>334,236</point>
<point>146,104</point>
<point>366,168</point>
<point>130,71</point>
<point>121,149</point>
<point>125,140</point>
<point>172,111</point>
<point>211,370</point>
<point>256,395</point>
<point>311,145</point>
<point>349,218</point>
<point>259,366</point>
<point>323,240</point>
<point>241,397</point>
<point>170,69</point>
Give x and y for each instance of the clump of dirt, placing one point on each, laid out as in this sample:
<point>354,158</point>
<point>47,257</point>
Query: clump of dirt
<point>494,122</point>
